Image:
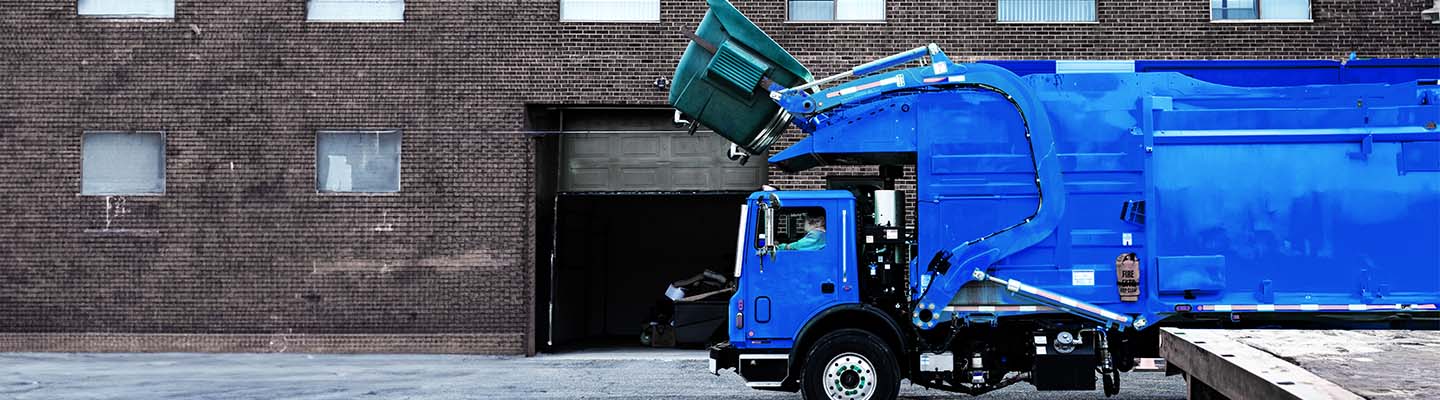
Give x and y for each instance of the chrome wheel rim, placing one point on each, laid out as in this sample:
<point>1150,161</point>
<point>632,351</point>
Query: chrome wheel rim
<point>849,376</point>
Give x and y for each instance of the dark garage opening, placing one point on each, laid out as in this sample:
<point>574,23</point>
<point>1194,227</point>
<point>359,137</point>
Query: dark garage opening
<point>616,254</point>
<point>628,202</point>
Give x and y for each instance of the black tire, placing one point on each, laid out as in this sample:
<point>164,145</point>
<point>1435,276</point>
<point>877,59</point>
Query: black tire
<point>871,352</point>
<point>1111,382</point>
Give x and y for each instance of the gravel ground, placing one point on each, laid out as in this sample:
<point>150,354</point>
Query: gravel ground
<point>608,375</point>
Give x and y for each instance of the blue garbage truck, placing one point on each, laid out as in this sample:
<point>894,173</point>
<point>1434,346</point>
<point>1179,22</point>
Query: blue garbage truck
<point>1061,211</point>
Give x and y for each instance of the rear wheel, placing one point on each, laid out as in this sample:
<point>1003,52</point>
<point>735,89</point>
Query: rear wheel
<point>850,365</point>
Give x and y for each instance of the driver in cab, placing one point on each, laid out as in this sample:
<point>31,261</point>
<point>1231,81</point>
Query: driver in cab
<point>814,234</point>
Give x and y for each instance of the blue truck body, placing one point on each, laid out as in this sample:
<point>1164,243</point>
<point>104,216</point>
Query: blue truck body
<point>1299,195</point>
<point>1287,192</point>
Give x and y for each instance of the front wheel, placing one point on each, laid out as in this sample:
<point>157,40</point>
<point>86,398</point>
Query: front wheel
<point>850,365</point>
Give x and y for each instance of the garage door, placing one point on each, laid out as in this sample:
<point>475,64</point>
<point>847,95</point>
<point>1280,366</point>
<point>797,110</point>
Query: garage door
<point>642,151</point>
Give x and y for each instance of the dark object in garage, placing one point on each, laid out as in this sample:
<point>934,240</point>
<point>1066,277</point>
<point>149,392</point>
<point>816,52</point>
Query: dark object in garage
<point>681,318</point>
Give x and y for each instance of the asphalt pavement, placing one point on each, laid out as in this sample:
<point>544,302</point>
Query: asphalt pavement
<point>602,374</point>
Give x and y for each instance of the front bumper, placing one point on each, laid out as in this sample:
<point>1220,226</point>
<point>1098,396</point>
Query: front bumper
<point>764,371</point>
<point>722,356</point>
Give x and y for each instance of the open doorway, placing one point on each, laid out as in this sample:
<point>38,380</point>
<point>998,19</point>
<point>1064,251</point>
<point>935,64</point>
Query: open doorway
<point>628,203</point>
<point>617,254</point>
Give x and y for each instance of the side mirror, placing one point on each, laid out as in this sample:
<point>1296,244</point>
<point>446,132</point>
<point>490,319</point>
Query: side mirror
<point>773,199</point>
<point>768,206</point>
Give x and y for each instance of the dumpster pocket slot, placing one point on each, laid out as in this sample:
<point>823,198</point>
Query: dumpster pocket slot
<point>738,67</point>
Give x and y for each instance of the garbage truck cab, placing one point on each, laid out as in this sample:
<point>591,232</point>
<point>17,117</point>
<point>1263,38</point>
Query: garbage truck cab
<point>788,295</point>
<point>777,271</point>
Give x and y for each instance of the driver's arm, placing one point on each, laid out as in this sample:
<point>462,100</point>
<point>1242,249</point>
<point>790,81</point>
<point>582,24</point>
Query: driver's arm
<point>814,240</point>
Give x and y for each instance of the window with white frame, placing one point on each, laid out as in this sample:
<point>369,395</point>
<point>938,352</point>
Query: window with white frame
<point>357,161</point>
<point>356,10</point>
<point>1046,10</point>
<point>610,10</point>
<point>122,163</point>
<point>126,8</point>
<point>1241,10</point>
<point>836,10</point>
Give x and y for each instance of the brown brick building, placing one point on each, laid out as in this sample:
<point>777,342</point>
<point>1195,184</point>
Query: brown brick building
<point>246,240</point>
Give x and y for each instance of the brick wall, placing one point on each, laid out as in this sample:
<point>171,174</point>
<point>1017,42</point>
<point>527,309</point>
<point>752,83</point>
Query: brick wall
<point>241,249</point>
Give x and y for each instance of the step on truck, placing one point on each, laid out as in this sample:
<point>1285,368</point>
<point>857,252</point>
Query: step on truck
<point>1060,212</point>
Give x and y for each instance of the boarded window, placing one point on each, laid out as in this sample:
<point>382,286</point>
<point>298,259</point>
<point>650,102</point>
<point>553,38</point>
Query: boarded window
<point>357,161</point>
<point>1291,10</point>
<point>1047,10</point>
<point>356,10</point>
<point>126,8</point>
<point>610,10</point>
<point>121,163</point>
<point>837,10</point>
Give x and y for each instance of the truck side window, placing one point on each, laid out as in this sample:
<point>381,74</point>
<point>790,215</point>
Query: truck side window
<point>800,228</point>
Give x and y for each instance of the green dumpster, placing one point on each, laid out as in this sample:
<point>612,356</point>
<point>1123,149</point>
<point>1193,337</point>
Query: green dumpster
<point>721,80</point>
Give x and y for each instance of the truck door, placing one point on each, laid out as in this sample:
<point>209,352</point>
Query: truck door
<point>804,272</point>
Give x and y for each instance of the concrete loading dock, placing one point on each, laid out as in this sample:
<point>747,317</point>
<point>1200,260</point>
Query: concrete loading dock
<point>1304,364</point>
